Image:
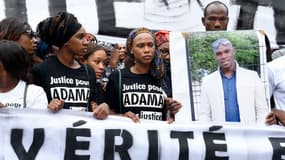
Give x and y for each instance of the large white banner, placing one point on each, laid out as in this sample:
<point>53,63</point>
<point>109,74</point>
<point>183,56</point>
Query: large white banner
<point>69,135</point>
<point>118,17</point>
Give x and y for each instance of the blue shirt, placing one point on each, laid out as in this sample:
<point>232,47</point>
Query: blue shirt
<point>230,98</point>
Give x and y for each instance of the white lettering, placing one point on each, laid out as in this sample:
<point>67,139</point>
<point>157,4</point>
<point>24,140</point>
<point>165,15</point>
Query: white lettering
<point>60,80</point>
<point>135,99</point>
<point>135,86</point>
<point>75,95</point>
<point>152,88</point>
<point>81,82</point>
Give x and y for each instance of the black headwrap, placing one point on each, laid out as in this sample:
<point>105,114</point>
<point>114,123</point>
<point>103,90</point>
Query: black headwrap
<point>59,29</point>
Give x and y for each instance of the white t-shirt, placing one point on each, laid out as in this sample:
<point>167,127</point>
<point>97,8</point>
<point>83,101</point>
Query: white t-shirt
<point>35,97</point>
<point>276,78</point>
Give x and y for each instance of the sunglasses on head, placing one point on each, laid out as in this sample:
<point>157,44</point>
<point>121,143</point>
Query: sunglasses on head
<point>32,34</point>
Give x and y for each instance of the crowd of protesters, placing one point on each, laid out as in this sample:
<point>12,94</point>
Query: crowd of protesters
<point>62,66</point>
<point>69,72</point>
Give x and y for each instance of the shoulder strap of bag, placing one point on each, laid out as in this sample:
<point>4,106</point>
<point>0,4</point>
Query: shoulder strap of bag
<point>120,90</point>
<point>25,96</point>
<point>88,77</point>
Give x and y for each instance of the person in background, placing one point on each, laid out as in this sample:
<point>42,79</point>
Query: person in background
<point>232,93</point>
<point>248,10</point>
<point>118,56</point>
<point>90,38</point>
<point>68,83</point>
<point>97,58</point>
<point>162,40</point>
<point>276,72</point>
<point>136,92</point>
<point>215,16</point>
<point>278,53</point>
<point>13,29</point>
<point>15,88</point>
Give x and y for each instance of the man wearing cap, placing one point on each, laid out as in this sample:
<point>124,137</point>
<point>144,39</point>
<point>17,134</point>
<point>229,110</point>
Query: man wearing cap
<point>232,93</point>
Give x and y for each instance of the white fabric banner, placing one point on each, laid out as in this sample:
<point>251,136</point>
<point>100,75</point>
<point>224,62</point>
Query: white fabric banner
<point>41,135</point>
<point>173,15</point>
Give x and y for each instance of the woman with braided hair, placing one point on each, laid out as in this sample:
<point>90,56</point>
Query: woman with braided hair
<point>68,84</point>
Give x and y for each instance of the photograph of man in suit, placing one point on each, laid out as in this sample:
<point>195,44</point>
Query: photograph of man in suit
<point>232,93</point>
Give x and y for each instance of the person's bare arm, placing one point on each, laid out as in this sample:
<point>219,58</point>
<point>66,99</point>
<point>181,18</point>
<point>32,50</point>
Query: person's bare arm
<point>55,105</point>
<point>280,115</point>
<point>100,111</point>
<point>270,119</point>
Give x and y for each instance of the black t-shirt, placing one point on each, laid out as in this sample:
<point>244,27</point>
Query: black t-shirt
<point>77,87</point>
<point>140,93</point>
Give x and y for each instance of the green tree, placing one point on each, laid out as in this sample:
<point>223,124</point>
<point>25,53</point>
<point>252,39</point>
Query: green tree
<point>201,58</point>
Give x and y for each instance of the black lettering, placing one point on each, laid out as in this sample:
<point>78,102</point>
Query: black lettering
<point>153,144</point>
<point>143,116</point>
<point>80,94</point>
<point>127,100</point>
<point>16,142</point>
<point>151,99</point>
<point>71,96</point>
<point>79,123</point>
<point>142,100</point>
<point>88,95</point>
<point>63,93</point>
<point>278,150</point>
<point>71,144</point>
<point>183,143</point>
<point>158,117</point>
<point>111,148</point>
<point>17,105</point>
<point>211,147</point>
<point>161,101</point>
<point>56,94</point>
<point>152,116</point>
<point>135,99</point>
<point>215,128</point>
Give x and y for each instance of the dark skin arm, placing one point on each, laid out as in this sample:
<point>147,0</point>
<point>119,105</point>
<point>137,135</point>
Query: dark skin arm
<point>270,119</point>
<point>55,105</point>
<point>280,115</point>
<point>100,111</point>
<point>173,106</point>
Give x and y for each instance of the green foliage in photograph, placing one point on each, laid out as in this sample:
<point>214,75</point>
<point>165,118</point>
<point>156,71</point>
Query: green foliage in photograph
<point>201,57</point>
